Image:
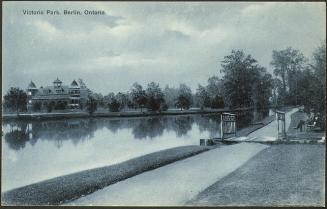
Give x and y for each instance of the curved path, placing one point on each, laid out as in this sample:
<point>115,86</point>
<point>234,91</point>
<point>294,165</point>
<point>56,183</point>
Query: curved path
<point>176,183</point>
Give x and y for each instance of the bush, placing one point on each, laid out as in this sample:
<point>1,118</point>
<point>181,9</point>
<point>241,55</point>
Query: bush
<point>91,105</point>
<point>217,102</point>
<point>114,106</point>
<point>50,106</point>
<point>36,106</point>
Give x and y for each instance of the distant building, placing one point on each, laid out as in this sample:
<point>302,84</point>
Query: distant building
<point>73,96</point>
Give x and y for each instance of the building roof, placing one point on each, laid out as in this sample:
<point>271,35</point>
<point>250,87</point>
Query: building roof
<point>51,92</point>
<point>74,84</point>
<point>57,81</point>
<point>31,85</point>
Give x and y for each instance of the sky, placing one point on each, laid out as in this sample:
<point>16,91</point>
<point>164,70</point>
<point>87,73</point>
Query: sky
<point>165,42</point>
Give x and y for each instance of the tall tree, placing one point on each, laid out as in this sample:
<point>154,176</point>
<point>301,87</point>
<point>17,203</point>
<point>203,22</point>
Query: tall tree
<point>319,64</point>
<point>262,92</point>
<point>122,98</point>
<point>240,73</point>
<point>16,100</point>
<point>99,98</point>
<point>138,95</point>
<point>202,97</point>
<point>215,86</point>
<point>171,95</point>
<point>155,96</point>
<point>184,99</point>
<point>287,63</point>
<point>91,105</point>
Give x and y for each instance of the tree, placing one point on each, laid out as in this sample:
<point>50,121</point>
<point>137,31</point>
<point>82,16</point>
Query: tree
<point>261,92</point>
<point>60,105</point>
<point>171,95</point>
<point>217,102</point>
<point>155,97</point>
<point>91,105</point>
<point>278,93</point>
<point>36,106</point>
<point>240,73</point>
<point>16,100</point>
<point>99,98</point>
<point>50,106</point>
<point>215,86</point>
<point>122,98</point>
<point>287,64</point>
<point>202,97</point>
<point>138,95</point>
<point>312,85</point>
<point>114,105</point>
<point>184,99</point>
<point>108,98</point>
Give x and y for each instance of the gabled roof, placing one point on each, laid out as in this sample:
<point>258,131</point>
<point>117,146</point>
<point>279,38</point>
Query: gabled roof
<point>31,85</point>
<point>74,83</point>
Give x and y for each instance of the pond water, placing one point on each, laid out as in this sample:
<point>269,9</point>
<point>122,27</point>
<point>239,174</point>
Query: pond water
<point>33,151</point>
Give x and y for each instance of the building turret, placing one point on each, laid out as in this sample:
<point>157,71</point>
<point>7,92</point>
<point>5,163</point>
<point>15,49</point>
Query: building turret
<point>57,83</point>
<point>75,93</point>
<point>31,89</point>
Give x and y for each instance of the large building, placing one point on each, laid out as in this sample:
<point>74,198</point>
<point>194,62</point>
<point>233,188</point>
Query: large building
<point>58,96</point>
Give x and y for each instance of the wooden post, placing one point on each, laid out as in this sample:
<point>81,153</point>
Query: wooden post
<point>221,127</point>
<point>284,133</point>
<point>235,127</point>
<point>277,125</point>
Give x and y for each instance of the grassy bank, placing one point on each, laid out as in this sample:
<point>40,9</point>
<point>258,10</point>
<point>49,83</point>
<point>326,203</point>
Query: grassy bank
<point>282,175</point>
<point>64,188</point>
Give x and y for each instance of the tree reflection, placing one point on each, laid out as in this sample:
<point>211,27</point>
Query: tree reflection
<point>17,136</point>
<point>182,125</point>
<point>210,123</point>
<point>77,130</point>
<point>150,127</point>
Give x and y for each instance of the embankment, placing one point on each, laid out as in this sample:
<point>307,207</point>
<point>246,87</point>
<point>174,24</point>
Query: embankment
<point>56,115</point>
<point>64,188</point>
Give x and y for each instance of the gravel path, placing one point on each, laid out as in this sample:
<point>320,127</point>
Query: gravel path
<point>176,183</point>
<point>281,175</point>
<point>58,190</point>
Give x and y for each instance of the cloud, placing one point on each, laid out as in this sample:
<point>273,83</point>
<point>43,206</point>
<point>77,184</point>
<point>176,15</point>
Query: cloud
<point>166,42</point>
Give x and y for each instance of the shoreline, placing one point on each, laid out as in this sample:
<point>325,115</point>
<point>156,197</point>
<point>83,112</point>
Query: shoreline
<point>64,115</point>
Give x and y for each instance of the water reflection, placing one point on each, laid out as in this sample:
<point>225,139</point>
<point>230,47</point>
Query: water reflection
<point>78,130</point>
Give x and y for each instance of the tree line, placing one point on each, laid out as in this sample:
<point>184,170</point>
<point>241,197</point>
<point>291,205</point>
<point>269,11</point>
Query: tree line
<point>296,80</point>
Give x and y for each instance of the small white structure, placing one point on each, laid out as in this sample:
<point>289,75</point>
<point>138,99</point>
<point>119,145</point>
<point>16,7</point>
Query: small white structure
<point>281,126</point>
<point>227,124</point>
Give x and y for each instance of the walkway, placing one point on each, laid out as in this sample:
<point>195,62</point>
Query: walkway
<point>176,183</point>
<point>268,132</point>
